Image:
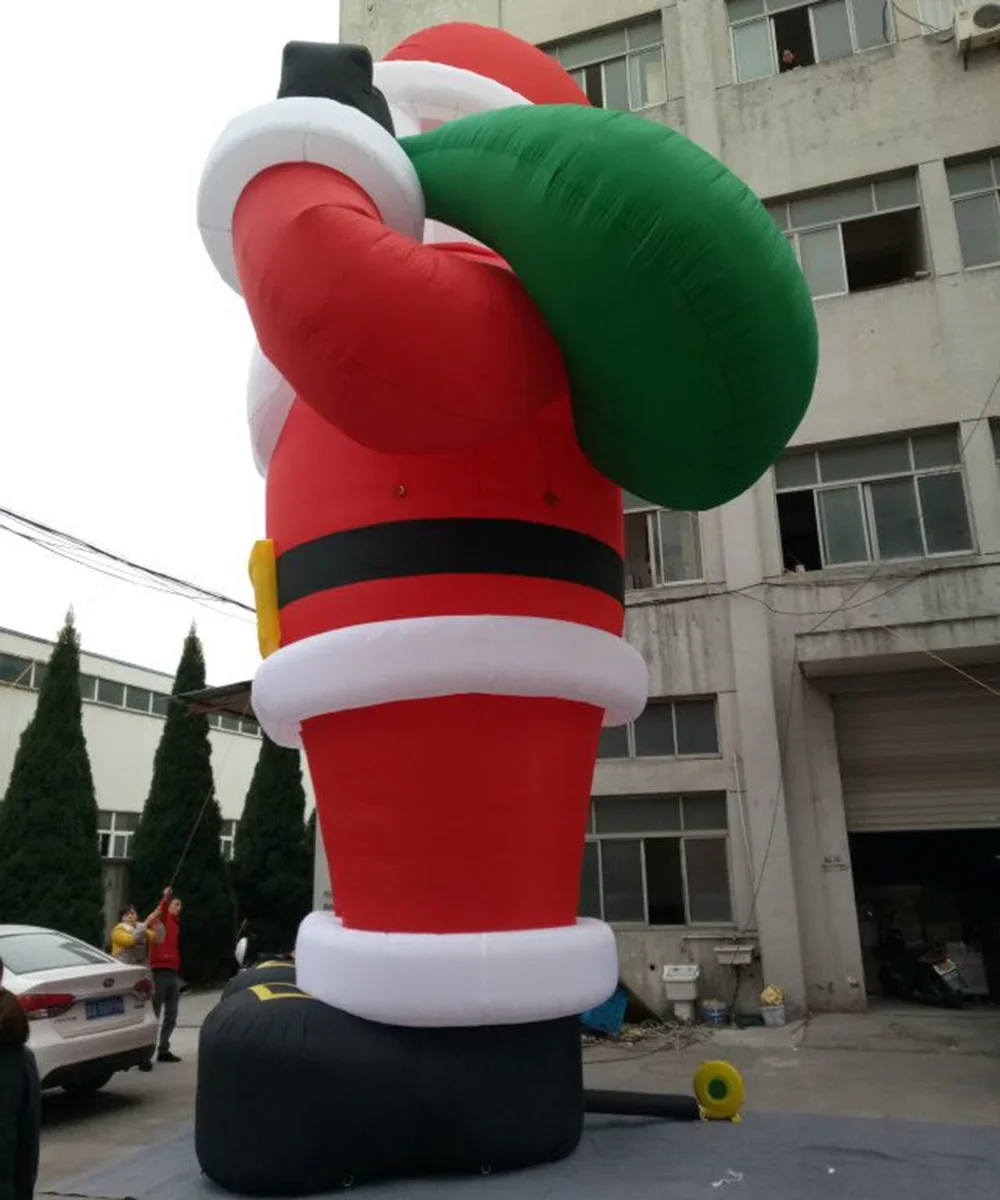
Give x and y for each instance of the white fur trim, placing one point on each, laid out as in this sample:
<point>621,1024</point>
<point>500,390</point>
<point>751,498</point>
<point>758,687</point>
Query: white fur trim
<point>457,979</point>
<point>404,123</point>
<point>436,233</point>
<point>424,657</point>
<point>432,93</point>
<point>269,400</point>
<point>304,129</point>
<point>423,94</point>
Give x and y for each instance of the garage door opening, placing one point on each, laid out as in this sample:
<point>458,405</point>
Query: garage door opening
<point>919,759</point>
<point>925,898</point>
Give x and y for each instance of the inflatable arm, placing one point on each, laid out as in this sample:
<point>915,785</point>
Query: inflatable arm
<point>335,294</point>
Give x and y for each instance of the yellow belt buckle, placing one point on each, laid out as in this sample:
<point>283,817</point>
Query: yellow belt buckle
<point>264,577</point>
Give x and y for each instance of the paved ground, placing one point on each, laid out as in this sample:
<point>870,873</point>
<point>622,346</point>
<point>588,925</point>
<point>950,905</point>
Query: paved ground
<point>82,1133</point>
<point>910,1065</point>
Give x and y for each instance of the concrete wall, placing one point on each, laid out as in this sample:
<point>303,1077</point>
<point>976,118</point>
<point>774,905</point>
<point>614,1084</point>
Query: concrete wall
<point>916,355</point>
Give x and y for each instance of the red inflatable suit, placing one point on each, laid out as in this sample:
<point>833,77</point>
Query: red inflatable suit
<point>448,574</point>
<point>444,434</point>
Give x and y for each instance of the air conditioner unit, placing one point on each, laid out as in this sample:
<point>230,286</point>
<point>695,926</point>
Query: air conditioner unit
<point>976,25</point>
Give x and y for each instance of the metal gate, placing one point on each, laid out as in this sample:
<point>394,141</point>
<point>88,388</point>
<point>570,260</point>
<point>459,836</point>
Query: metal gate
<point>921,751</point>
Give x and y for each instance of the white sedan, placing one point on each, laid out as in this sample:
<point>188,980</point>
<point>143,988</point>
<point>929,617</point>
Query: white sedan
<point>90,1015</point>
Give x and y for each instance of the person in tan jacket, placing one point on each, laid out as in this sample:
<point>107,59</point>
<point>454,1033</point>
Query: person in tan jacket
<point>132,939</point>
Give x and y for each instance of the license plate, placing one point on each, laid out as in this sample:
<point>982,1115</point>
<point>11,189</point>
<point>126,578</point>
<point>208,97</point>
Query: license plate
<point>113,1006</point>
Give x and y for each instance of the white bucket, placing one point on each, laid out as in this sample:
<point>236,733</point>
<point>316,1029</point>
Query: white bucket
<point>773,1014</point>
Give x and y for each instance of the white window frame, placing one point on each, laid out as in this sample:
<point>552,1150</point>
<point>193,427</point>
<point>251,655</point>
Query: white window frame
<point>630,52</point>
<point>227,840</point>
<point>993,161</point>
<point>683,836</point>
<point>110,829</point>
<point>663,702</point>
<point>654,544</point>
<point>792,232</point>
<point>215,722</point>
<point>863,484</point>
<point>26,673</point>
<point>775,8</point>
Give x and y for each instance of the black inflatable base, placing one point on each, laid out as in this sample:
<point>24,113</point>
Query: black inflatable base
<point>295,1097</point>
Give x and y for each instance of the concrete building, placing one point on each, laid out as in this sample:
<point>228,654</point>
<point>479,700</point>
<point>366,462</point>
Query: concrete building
<point>123,711</point>
<point>824,737</point>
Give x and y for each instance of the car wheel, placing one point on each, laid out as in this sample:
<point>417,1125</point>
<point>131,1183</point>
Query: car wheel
<point>84,1087</point>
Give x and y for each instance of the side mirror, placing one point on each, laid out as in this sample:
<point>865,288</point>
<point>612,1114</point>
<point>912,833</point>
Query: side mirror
<point>241,951</point>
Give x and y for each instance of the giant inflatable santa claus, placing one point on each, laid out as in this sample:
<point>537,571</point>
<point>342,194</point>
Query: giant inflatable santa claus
<point>481,309</point>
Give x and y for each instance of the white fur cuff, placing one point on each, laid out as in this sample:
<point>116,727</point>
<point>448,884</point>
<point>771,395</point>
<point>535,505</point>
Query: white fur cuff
<point>304,129</point>
<point>420,658</point>
<point>457,979</point>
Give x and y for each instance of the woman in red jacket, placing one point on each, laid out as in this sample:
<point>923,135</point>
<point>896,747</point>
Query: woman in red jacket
<point>165,959</point>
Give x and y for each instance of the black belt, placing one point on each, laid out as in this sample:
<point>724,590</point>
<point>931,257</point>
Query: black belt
<point>449,546</point>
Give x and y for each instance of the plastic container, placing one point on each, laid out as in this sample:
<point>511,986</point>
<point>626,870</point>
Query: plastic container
<point>714,1012</point>
<point>774,1015</point>
<point>608,1017</point>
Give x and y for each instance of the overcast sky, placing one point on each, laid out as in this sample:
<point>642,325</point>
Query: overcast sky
<point>122,355</point>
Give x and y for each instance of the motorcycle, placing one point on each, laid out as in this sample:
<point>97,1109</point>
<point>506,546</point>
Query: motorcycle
<point>919,974</point>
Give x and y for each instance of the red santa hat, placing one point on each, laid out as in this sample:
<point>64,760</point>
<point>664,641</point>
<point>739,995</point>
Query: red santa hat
<point>474,67</point>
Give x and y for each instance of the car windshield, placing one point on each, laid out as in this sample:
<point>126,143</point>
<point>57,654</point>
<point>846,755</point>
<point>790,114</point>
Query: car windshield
<point>23,953</point>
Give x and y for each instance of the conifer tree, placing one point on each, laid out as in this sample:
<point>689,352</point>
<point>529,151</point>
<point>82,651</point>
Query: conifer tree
<point>178,838</point>
<point>271,859</point>
<point>50,861</point>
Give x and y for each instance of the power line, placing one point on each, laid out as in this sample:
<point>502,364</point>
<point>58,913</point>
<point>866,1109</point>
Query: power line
<point>83,553</point>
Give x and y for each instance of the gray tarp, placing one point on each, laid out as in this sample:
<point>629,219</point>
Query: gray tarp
<point>768,1157</point>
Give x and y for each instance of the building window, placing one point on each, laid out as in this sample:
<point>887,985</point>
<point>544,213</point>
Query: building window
<point>227,841</point>
<point>773,36</point>
<point>657,860</point>
<point>995,430</point>
<point>665,729</point>
<point>661,546</point>
<point>137,699</point>
<point>114,833</point>
<point>233,724</point>
<point>110,691</point>
<point>15,671</point>
<point>873,501</point>
<point>88,687</point>
<point>620,68</point>
<point>161,704</point>
<point>856,238</point>
<point>975,194</point>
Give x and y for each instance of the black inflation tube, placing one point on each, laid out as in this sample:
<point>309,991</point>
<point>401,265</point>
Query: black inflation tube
<point>642,1104</point>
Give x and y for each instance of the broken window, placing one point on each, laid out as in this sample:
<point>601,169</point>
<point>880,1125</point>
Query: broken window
<point>657,860</point>
<point>856,238</point>
<point>873,501</point>
<point>661,546</point>
<point>773,36</point>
